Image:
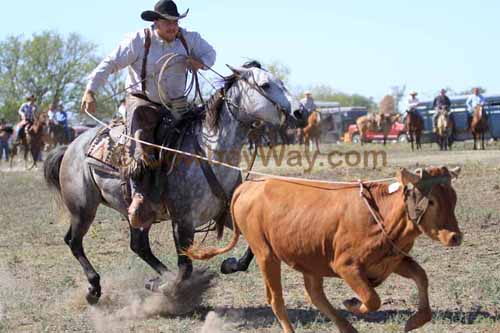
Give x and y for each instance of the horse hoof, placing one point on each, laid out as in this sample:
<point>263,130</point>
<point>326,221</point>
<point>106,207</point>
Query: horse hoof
<point>153,284</point>
<point>93,297</point>
<point>229,266</point>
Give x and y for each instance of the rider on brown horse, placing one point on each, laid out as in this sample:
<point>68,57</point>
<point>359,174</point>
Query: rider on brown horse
<point>473,101</point>
<point>27,112</point>
<point>144,55</point>
<point>413,103</point>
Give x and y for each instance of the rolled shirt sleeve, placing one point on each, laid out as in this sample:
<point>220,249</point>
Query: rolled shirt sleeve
<point>128,52</point>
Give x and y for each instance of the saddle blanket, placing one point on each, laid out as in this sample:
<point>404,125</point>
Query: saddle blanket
<point>110,147</point>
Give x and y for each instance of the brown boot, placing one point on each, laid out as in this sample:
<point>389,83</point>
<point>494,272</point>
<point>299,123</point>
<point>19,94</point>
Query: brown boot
<point>140,212</point>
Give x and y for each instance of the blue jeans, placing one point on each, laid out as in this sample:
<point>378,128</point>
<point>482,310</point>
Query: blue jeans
<point>4,148</point>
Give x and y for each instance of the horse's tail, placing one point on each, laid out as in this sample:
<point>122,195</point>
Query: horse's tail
<point>52,166</point>
<point>197,253</point>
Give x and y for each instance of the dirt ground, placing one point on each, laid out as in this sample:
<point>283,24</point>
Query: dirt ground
<point>42,287</point>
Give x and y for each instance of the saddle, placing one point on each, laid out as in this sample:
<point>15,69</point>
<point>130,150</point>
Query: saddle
<point>110,148</point>
<point>110,151</point>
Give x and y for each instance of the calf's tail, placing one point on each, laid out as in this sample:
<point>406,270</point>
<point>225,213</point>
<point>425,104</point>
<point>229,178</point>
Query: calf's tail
<point>195,252</point>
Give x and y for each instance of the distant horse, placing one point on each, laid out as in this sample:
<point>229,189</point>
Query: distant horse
<point>31,141</point>
<point>365,124</point>
<point>384,122</point>
<point>58,135</point>
<point>249,96</point>
<point>267,135</point>
<point>414,126</point>
<point>312,131</point>
<point>444,129</point>
<point>479,126</point>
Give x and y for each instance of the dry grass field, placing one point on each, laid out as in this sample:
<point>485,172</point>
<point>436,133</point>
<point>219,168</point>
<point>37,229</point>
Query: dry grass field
<point>42,286</point>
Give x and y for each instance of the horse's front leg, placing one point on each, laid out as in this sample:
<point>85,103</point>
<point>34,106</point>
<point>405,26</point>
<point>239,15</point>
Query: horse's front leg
<point>183,237</point>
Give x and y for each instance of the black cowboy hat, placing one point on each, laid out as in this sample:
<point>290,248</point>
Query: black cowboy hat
<point>164,10</point>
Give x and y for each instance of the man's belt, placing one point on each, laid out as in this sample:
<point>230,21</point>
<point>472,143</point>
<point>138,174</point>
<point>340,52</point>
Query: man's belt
<point>144,97</point>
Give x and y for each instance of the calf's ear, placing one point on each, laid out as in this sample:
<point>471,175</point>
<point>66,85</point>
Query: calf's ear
<point>455,172</point>
<point>405,177</point>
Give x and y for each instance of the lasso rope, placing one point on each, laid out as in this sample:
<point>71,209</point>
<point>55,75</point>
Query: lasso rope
<point>165,101</point>
<point>241,170</point>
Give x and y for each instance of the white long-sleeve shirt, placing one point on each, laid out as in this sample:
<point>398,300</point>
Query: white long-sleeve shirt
<point>412,103</point>
<point>130,54</point>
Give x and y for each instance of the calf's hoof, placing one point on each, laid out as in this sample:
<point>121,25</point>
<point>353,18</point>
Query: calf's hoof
<point>353,305</point>
<point>419,319</point>
<point>229,266</point>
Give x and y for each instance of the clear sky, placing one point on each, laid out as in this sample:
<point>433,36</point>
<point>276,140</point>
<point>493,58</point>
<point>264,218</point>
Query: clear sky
<point>354,46</point>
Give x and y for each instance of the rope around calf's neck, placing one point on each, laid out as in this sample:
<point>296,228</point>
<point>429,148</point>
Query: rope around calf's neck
<point>379,222</point>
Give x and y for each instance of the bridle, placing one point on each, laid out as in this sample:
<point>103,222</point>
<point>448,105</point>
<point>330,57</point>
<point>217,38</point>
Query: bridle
<point>235,110</point>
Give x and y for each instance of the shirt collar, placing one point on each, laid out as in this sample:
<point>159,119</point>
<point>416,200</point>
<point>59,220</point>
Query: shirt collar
<point>161,40</point>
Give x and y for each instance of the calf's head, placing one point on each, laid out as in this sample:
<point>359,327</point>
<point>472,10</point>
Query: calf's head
<point>430,202</point>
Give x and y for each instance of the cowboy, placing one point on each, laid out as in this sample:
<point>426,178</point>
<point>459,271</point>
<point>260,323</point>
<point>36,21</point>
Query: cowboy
<point>5,133</point>
<point>27,112</point>
<point>412,104</point>
<point>61,119</point>
<point>308,102</point>
<point>472,102</point>
<point>51,113</point>
<point>441,103</point>
<point>143,54</point>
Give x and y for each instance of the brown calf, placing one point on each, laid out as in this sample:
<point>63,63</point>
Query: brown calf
<point>332,231</point>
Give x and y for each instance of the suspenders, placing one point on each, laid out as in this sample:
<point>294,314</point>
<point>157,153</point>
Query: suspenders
<point>147,46</point>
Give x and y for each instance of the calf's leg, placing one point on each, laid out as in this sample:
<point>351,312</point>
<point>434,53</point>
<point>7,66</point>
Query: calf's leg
<point>271,272</point>
<point>412,270</point>
<point>314,289</point>
<point>357,280</point>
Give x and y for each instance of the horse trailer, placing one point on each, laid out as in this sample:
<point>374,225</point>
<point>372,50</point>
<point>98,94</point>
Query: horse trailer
<point>459,116</point>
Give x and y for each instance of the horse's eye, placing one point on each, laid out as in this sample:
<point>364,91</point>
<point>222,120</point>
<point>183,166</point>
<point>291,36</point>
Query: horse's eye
<point>265,86</point>
<point>431,203</point>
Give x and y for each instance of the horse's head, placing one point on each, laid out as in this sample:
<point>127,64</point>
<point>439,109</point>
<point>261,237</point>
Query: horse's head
<point>264,98</point>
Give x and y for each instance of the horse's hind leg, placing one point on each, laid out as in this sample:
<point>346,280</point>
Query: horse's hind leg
<point>183,237</point>
<point>316,294</point>
<point>231,265</point>
<point>80,224</point>
<point>139,243</point>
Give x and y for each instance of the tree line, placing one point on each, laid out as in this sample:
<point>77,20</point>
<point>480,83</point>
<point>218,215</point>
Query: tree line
<point>54,69</point>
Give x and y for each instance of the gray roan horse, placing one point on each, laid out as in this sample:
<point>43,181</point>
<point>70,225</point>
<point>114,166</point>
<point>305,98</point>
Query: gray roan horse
<point>252,96</point>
